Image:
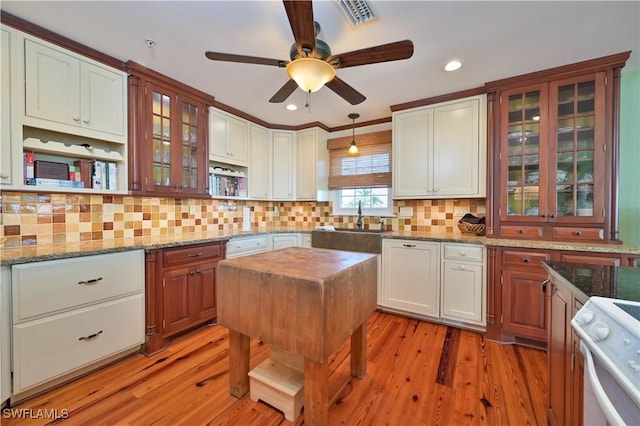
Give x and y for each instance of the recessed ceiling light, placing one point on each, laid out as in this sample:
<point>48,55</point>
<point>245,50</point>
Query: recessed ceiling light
<point>292,107</point>
<point>453,65</point>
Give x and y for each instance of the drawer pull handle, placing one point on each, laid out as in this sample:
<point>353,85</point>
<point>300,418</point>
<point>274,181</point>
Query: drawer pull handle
<point>526,260</point>
<point>408,245</point>
<point>195,254</point>
<point>91,336</point>
<point>520,231</point>
<point>578,233</point>
<point>93,281</point>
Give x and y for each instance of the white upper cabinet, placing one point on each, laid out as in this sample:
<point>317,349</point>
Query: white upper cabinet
<point>260,163</point>
<point>283,165</point>
<point>228,138</point>
<point>312,165</point>
<point>439,151</point>
<point>68,94</point>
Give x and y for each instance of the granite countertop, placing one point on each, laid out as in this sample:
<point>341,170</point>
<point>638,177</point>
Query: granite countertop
<point>617,282</point>
<point>25,254</point>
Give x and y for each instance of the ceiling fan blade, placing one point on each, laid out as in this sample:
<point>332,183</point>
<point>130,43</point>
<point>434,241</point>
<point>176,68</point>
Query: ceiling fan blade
<point>345,91</point>
<point>230,57</point>
<point>300,14</point>
<point>372,55</point>
<point>284,92</point>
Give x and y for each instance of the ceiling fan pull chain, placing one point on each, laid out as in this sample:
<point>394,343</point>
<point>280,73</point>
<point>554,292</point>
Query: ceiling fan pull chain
<point>308,104</point>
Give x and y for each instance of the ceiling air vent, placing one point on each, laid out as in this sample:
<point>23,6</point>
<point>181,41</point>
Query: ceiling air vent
<point>358,11</point>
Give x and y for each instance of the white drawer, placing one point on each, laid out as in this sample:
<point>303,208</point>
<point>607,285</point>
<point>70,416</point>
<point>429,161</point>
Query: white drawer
<point>50,347</point>
<point>468,252</point>
<point>42,288</point>
<point>243,246</point>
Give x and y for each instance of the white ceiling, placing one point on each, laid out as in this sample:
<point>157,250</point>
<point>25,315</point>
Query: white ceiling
<point>493,40</point>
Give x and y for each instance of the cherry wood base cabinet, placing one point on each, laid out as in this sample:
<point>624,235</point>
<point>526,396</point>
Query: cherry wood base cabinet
<point>565,361</point>
<point>517,290</point>
<point>168,129</point>
<point>180,290</point>
<point>553,151</point>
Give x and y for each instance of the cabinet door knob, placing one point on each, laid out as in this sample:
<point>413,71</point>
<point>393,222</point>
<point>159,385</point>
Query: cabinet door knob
<point>520,231</point>
<point>526,260</point>
<point>578,233</point>
<point>553,216</point>
<point>462,267</point>
<point>463,254</point>
<point>544,215</point>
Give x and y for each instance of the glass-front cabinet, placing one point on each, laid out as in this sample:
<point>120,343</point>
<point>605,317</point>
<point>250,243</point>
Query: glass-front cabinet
<point>553,152</point>
<point>526,154</point>
<point>577,134</point>
<point>170,147</point>
<point>176,141</point>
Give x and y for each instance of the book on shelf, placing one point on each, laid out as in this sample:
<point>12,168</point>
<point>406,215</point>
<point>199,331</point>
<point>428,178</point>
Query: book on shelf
<point>104,175</point>
<point>83,172</point>
<point>96,174</point>
<point>227,186</point>
<point>112,176</point>
<point>29,168</point>
<point>61,183</point>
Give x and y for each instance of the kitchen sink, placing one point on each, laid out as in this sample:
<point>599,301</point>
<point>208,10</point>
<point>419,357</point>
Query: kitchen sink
<point>360,240</point>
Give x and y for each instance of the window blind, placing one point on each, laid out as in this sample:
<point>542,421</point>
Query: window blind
<point>372,168</point>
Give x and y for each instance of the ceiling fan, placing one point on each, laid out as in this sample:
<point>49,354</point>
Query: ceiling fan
<point>312,65</point>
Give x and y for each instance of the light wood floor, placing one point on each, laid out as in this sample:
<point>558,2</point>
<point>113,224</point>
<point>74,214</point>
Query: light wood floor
<point>419,373</point>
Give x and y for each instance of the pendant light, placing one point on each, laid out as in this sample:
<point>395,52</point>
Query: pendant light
<point>353,148</point>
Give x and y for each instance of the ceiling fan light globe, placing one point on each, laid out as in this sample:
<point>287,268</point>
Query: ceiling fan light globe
<point>310,74</point>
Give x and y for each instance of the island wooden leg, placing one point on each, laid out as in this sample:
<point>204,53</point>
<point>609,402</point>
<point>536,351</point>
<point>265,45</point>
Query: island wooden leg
<point>238,364</point>
<point>316,393</point>
<point>359,351</point>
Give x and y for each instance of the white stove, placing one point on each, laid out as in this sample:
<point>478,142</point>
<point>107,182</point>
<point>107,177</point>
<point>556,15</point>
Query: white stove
<point>609,330</point>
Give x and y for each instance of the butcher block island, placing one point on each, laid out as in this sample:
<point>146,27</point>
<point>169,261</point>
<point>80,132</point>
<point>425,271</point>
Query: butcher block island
<point>305,301</point>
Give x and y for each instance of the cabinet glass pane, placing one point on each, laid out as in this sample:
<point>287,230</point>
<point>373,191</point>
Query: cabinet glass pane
<point>575,143</point>
<point>585,199</point>
<point>524,200</point>
<point>161,175</point>
<point>523,150</point>
<point>189,146</point>
<point>161,128</point>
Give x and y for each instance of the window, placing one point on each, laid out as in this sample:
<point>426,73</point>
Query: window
<point>375,201</point>
<point>366,178</point>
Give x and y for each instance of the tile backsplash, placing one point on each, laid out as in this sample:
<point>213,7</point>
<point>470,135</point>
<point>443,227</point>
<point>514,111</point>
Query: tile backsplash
<point>47,218</point>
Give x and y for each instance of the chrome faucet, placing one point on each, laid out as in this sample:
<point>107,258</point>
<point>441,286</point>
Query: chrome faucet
<point>382,224</point>
<point>359,222</point>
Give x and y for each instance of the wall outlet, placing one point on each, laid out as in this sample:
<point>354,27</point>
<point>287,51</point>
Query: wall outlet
<point>107,210</point>
<point>192,209</point>
<point>406,212</point>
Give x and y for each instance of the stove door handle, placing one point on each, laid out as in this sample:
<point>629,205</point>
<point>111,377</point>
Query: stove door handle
<point>609,410</point>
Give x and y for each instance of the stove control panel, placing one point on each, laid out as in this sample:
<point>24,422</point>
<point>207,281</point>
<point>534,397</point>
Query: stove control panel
<point>613,338</point>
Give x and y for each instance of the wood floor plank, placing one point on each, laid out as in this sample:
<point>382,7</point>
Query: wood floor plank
<point>480,383</point>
